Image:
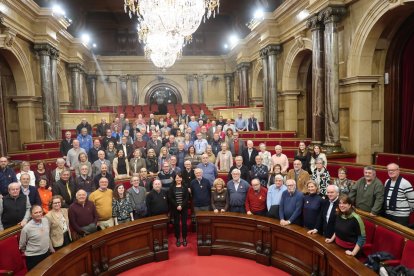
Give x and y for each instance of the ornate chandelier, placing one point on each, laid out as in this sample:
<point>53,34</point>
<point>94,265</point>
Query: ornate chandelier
<point>165,26</point>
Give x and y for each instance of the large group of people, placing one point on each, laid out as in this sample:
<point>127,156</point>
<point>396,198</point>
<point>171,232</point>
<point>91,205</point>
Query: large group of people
<point>170,163</point>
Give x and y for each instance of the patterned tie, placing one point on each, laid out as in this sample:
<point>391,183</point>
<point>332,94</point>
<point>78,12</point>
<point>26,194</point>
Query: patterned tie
<point>68,189</point>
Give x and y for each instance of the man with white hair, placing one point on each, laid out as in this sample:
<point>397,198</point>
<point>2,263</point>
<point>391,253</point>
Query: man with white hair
<point>326,224</point>
<point>249,154</point>
<point>209,169</point>
<point>14,208</point>
<point>200,191</point>
<point>72,158</point>
<point>274,195</point>
<point>237,189</point>
<point>291,203</point>
<point>96,166</point>
<point>280,158</point>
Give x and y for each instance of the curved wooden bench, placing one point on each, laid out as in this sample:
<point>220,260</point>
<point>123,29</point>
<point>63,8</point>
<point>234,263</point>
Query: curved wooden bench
<point>262,239</point>
<point>110,251</point>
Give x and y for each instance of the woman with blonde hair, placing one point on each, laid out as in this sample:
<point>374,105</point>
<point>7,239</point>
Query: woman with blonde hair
<point>312,204</point>
<point>219,198</point>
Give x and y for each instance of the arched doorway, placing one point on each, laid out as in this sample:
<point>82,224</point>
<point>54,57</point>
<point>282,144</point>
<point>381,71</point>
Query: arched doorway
<point>398,92</point>
<point>162,95</point>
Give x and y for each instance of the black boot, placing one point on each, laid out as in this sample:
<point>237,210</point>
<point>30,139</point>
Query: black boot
<point>184,242</point>
<point>178,243</point>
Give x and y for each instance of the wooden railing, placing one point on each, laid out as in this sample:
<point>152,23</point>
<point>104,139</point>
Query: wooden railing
<point>262,239</point>
<point>110,251</point>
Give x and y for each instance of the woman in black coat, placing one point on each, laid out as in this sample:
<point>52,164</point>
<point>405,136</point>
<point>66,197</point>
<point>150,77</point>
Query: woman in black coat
<point>178,196</point>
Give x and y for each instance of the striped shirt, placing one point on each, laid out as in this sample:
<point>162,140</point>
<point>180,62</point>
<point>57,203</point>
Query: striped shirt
<point>405,199</point>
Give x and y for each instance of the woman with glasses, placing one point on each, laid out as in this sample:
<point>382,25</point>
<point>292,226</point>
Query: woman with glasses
<point>59,223</point>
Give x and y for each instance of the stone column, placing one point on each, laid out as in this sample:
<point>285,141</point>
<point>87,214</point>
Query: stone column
<point>3,140</point>
<point>134,87</point>
<point>318,81</point>
<point>44,51</point>
<point>190,84</point>
<point>55,90</point>
<point>290,109</point>
<point>331,17</point>
<point>124,91</point>
<point>229,88</point>
<point>265,87</point>
<point>200,88</point>
<point>93,99</point>
<point>26,106</point>
<point>243,69</point>
<point>272,52</point>
<point>77,99</point>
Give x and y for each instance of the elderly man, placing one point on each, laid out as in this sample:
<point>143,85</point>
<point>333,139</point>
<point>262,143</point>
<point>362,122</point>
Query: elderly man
<point>274,195</point>
<point>181,153</point>
<point>125,147</point>
<point>237,145</point>
<point>237,189</point>
<point>102,128</point>
<point>398,196</point>
<point>200,144</point>
<point>60,166</point>
<point>85,140</point>
<point>326,223</point>
<point>154,144</point>
<point>125,133</point>
<point>209,169</point>
<point>229,125</point>
<point>193,124</point>
<point>14,207</point>
<point>93,152</point>
<point>166,176</point>
<point>84,181</point>
<point>245,172</point>
<point>183,116</point>
<point>215,143</point>
<point>211,130</point>
<point>157,200</point>
<point>252,123</point>
<point>66,144</point>
<point>260,171</point>
<point>140,143</point>
<point>102,199</point>
<point>144,180</point>
<point>240,123</point>
<point>201,191</point>
<point>96,166</point>
<point>137,196</point>
<point>104,173</point>
<point>29,191</point>
<point>84,124</point>
<point>7,176</point>
<point>83,217</point>
<point>249,154</point>
<point>65,187</point>
<point>281,159</point>
<point>291,203</point>
<point>300,176</point>
<point>256,199</point>
<point>188,173</point>
<point>72,158</point>
<point>368,192</point>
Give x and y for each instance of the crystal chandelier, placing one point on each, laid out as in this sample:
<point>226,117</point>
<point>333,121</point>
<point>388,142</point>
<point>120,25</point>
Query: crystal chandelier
<point>165,26</point>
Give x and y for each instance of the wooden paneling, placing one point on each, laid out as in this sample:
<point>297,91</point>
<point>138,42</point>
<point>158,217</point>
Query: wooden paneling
<point>110,251</point>
<point>262,239</point>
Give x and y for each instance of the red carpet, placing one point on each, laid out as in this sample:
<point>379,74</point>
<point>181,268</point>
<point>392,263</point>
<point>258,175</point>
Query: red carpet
<point>184,261</point>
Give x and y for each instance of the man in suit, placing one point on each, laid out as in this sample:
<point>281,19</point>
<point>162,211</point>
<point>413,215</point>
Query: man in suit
<point>326,224</point>
<point>155,144</point>
<point>211,130</point>
<point>66,144</point>
<point>249,155</point>
<point>29,191</point>
<point>237,145</point>
<point>96,166</point>
<point>102,127</point>
<point>299,175</point>
<point>126,147</point>
<point>65,187</point>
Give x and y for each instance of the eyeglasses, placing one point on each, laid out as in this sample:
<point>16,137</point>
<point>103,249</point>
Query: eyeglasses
<point>56,203</point>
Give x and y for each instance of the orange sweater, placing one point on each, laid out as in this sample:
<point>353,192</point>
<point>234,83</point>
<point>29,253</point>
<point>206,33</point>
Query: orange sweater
<point>45,197</point>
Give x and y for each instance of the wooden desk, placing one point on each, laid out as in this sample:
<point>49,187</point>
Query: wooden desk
<point>110,251</point>
<point>262,239</point>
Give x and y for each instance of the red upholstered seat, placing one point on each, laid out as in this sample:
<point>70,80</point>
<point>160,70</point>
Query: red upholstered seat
<point>10,257</point>
<point>407,258</point>
<point>388,241</point>
<point>223,176</point>
<point>370,233</point>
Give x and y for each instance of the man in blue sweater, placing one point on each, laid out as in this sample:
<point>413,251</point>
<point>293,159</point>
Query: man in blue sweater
<point>291,203</point>
<point>200,191</point>
<point>237,191</point>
